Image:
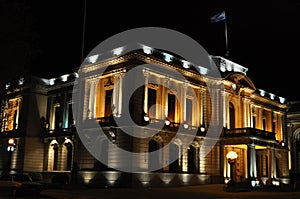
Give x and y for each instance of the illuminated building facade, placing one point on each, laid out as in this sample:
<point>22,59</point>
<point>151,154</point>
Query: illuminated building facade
<point>252,120</point>
<point>293,128</point>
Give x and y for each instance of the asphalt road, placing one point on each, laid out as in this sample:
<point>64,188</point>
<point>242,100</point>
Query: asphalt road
<point>202,191</point>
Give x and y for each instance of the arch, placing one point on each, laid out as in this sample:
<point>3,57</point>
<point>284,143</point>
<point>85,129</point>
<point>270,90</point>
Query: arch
<point>67,154</point>
<point>103,156</point>
<point>53,156</point>
<point>173,155</point>
<point>191,159</point>
<point>240,78</point>
<point>153,158</point>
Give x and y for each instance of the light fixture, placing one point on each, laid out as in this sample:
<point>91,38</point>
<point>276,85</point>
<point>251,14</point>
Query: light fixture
<point>92,59</point>
<point>168,57</point>
<point>167,122</point>
<point>231,156</point>
<point>282,100</point>
<point>147,50</point>
<point>202,128</point>
<point>202,70</point>
<point>21,81</point>
<point>118,51</point>
<point>64,78</point>
<point>51,81</point>
<point>185,125</point>
<point>262,92</point>
<point>185,64</point>
<point>146,118</point>
<point>272,96</point>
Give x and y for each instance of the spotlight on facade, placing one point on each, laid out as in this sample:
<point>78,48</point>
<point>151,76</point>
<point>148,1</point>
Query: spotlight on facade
<point>7,86</point>
<point>64,78</point>
<point>185,64</point>
<point>202,70</point>
<point>21,81</point>
<point>118,51</point>
<point>51,81</point>
<point>147,50</point>
<point>92,59</point>
<point>282,100</point>
<point>272,96</point>
<point>168,57</point>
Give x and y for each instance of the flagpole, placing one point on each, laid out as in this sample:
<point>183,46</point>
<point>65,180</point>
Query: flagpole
<point>226,36</point>
<point>83,31</point>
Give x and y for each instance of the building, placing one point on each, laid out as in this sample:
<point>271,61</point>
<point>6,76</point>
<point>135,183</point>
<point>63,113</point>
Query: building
<point>252,123</point>
<point>293,129</point>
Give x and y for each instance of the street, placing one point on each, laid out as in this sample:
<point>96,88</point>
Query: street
<point>202,191</point>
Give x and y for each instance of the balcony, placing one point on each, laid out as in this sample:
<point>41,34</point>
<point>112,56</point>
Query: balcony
<point>247,132</point>
<point>60,132</point>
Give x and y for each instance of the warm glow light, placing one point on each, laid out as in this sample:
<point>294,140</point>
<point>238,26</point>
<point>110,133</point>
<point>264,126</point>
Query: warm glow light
<point>231,155</point>
<point>202,128</point>
<point>11,141</point>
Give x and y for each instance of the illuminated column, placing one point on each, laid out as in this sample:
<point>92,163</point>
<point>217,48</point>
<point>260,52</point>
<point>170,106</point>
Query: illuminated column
<point>252,161</point>
<point>184,101</point>
<point>146,74</point>
<point>115,99</point>
<point>120,94</point>
<point>165,93</point>
<point>91,110</point>
<point>202,102</point>
<point>273,163</point>
<point>225,104</point>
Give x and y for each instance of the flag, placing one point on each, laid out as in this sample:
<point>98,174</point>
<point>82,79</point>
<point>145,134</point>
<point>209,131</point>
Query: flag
<point>218,17</point>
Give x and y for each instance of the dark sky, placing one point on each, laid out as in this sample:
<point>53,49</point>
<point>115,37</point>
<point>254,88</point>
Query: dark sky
<point>45,37</point>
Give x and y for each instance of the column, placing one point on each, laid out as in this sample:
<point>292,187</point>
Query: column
<point>225,106</point>
<point>165,95</point>
<point>91,109</point>
<point>146,75</point>
<point>119,113</point>
<point>184,101</point>
<point>252,161</point>
<point>115,99</point>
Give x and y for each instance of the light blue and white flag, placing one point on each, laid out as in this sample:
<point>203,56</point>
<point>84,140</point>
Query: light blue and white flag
<point>218,17</point>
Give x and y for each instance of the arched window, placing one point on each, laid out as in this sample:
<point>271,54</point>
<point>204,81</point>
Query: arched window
<point>231,116</point>
<point>297,153</point>
<point>191,159</point>
<point>153,160</point>
<point>69,151</point>
<point>55,157</point>
<point>103,164</point>
<point>174,156</point>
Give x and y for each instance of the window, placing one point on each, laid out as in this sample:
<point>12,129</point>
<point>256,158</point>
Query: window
<point>189,111</point>
<point>55,157</point>
<point>10,114</point>
<point>151,102</point>
<point>173,156</point>
<point>153,160</point>
<point>231,116</point>
<point>254,122</point>
<point>171,107</point>
<point>264,124</point>
<point>108,98</point>
<point>191,159</point>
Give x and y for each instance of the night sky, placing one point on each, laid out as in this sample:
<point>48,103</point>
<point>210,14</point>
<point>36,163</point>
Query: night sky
<point>45,37</point>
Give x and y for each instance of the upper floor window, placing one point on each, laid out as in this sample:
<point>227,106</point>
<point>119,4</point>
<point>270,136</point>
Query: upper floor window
<point>171,107</point>
<point>151,102</point>
<point>10,114</point>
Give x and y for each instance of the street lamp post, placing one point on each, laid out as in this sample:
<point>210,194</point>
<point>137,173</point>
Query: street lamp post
<point>231,157</point>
